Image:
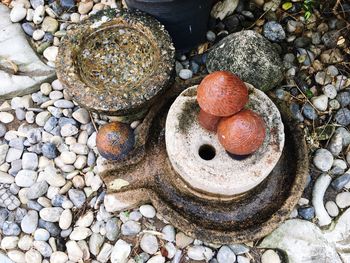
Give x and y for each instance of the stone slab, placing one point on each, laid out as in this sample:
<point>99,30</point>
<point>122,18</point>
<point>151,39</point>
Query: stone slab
<point>15,51</point>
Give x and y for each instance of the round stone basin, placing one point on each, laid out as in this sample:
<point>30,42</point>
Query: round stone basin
<point>117,62</point>
<point>201,161</point>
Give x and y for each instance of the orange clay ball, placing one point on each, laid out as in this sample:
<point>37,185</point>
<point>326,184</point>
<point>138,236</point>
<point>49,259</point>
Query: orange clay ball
<point>208,121</point>
<point>242,133</point>
<point>115,140</point>
<point>222,93</point>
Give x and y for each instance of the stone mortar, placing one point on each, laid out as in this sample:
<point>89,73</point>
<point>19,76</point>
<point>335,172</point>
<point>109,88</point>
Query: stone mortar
<point>201,161</point>
<point>117,62</point>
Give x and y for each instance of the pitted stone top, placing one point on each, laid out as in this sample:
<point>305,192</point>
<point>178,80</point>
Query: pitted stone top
<point>116,62</point>
<point>200,160</point>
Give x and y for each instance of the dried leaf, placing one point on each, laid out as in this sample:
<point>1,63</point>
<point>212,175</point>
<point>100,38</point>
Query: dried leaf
<point>287,5</point>
<point>324,132</point>
<point>202,48</point>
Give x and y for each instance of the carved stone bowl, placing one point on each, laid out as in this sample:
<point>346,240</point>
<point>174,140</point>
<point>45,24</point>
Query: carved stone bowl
<point>149,176</point>
<point>117,62</point>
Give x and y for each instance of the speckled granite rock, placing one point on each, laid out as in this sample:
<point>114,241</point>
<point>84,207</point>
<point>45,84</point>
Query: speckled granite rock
<point>249,55</point>
<point>15,52</point>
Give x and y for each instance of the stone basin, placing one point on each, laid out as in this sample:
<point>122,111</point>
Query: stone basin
<point>149,176</point>
<point>117,62</point>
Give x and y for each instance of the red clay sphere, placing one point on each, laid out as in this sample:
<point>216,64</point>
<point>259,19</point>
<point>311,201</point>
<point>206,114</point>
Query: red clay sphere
<point>208,121</point>
<point>222,93</point>
<point>242,133</point>
<point>115,140</point>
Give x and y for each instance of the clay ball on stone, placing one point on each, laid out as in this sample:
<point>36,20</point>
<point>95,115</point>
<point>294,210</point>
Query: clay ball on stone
<point>208,121</point>
<point>115,140</point>
<point>222,93</point>
<point>242,133</point>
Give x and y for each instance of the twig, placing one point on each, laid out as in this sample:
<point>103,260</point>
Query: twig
<point>93,121</point>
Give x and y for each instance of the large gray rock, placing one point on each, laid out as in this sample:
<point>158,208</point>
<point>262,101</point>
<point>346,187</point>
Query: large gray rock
<point>15,52</point>
<point>303,241</point>
<point>250,56</point>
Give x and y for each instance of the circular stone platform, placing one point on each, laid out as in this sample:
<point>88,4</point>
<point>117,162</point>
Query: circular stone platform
<point>117,62</point>
<point>200,160</point>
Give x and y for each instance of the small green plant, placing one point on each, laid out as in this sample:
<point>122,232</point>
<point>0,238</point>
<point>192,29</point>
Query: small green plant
<point>308,7</point>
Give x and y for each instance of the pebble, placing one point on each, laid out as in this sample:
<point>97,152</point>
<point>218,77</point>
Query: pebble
<point>41,234</point>
<point>30,222</point>
<point>65,220</point>
<point>156,259</point>
<point>75,254</point>
<point>200,253</point>
<point>330,91</point>
<point>185,74</point>
<point>332,208</point>
<point>50,54</point>
<point>65,104</point>
<point>341,181</point>
<point>10,229</point>
<point>16,255</point>
<point>80,233</point>
<point>6,117</point>
<point>38,15</point>
<point>43,247</point>
<point>85,220</point>
<point>2,130</point>
<point>323,160</point>
<point>29,161</point>
<point>85,7</point>
<point>225,255</point>
<point>49,25</point>
<point>51,214</point>
<point>322,78</point>
<point>309,112</point>
<point>9,242</point>
<point>28,28</point>
<point>26,178</point>
<point>147,211</point>
<point>112,229</point>
<point>130,228</point>
<point>33,256</point>
<point>38,34</point>
<point>149,244</point>
<point>182,240</point>
<point>307,213</point>
<point>274,31</point>
<point>58,257</point>
<point>343,199</point>
<point>69,130</point>
<point>105,253</point>
<point>120,251</point>
<point>95,242</point>
<point>169,233</point>
<point>18,13</point>
<point>320,102</point>
<point>77,197</point>
<point>49,150</point>
<point>25,242</point>
<point>343,116</point>
<point>270,256</point>
<point>81,115</point>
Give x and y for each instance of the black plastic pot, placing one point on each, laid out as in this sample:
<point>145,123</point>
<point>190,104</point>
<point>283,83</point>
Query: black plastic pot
<point>186,20</point>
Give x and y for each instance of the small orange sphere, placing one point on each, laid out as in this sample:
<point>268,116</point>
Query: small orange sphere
<point>222,93</point>
<point>242,133</point>
<point>208,121</point>
<point>115,140</point>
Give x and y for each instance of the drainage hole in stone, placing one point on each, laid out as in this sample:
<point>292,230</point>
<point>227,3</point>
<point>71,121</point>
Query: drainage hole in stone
<point>207,152</point>
<point>238,157</point>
